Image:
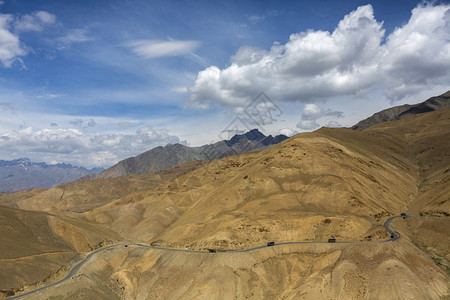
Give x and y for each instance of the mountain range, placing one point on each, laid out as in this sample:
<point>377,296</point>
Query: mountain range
<point>23,174</point>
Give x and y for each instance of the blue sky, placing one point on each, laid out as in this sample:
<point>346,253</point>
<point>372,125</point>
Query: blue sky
<point>94,82</point>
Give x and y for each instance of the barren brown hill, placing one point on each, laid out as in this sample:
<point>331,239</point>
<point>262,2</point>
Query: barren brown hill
<point>80,196</point>
<point>332,183</point>
<point>426,138</point>
<point>35,245</point>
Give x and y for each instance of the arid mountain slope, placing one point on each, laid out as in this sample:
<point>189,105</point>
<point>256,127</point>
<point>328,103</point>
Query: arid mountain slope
<point>426,138</point>
<point>400,112</point>
<point>332,183</point>
<point>35,245</point>
<point>309,187</point>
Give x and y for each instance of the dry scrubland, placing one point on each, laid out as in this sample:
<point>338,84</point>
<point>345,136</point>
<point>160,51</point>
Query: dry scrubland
<point>330,183</point>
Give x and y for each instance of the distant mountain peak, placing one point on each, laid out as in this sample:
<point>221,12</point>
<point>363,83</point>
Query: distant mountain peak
<point>252,135</point>
<point>255,135</point>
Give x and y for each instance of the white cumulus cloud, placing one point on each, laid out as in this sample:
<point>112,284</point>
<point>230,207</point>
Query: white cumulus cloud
<point>353,59</point>
<point>418,54</point>
<point>312,113</point>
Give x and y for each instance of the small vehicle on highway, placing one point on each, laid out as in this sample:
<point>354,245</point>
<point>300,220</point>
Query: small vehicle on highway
<point>331,240</point>
<point>270,244</point>
<point>212,250</point>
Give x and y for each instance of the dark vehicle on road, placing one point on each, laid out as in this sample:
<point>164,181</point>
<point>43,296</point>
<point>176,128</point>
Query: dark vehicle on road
<point>270,244</point>
<point>212,250</point>
<point>331,240</point>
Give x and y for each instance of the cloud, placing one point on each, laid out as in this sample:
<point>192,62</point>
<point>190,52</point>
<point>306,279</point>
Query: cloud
<point>308,125</point>
<point>34,22</point>
<point>287,132</point>
<point>11,49</point>
<point>10,46</point>
<point>91,123</point>
<point>73,36</point>
<point>334,114</point>
<point>7,106</point>
<point>179,89</point>
<point>350,61</point>
<point>258,18</point>
<point>418,54</point>
<point>312,113</point>
<point>248,55</point>
<point>80,148</point>
<point>76,122</point>
<point>82,124</point>
<point>158,48</point>
<point>125,124</point>
<point>333,124</point>
<point>48,96</point>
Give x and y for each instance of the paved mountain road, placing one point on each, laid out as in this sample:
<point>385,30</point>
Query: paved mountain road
<point>393,236</point>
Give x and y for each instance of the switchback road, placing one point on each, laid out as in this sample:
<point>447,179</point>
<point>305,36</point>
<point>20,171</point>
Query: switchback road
<point>73,271</point>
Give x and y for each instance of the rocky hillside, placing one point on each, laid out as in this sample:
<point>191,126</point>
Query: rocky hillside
<point>161,158</point>
<point>23,174</point>
<point>399,112</point>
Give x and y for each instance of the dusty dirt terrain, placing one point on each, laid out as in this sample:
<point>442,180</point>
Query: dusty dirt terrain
<point>332,183</point>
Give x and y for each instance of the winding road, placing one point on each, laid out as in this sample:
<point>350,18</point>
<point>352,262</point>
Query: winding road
<point>73,271</point>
